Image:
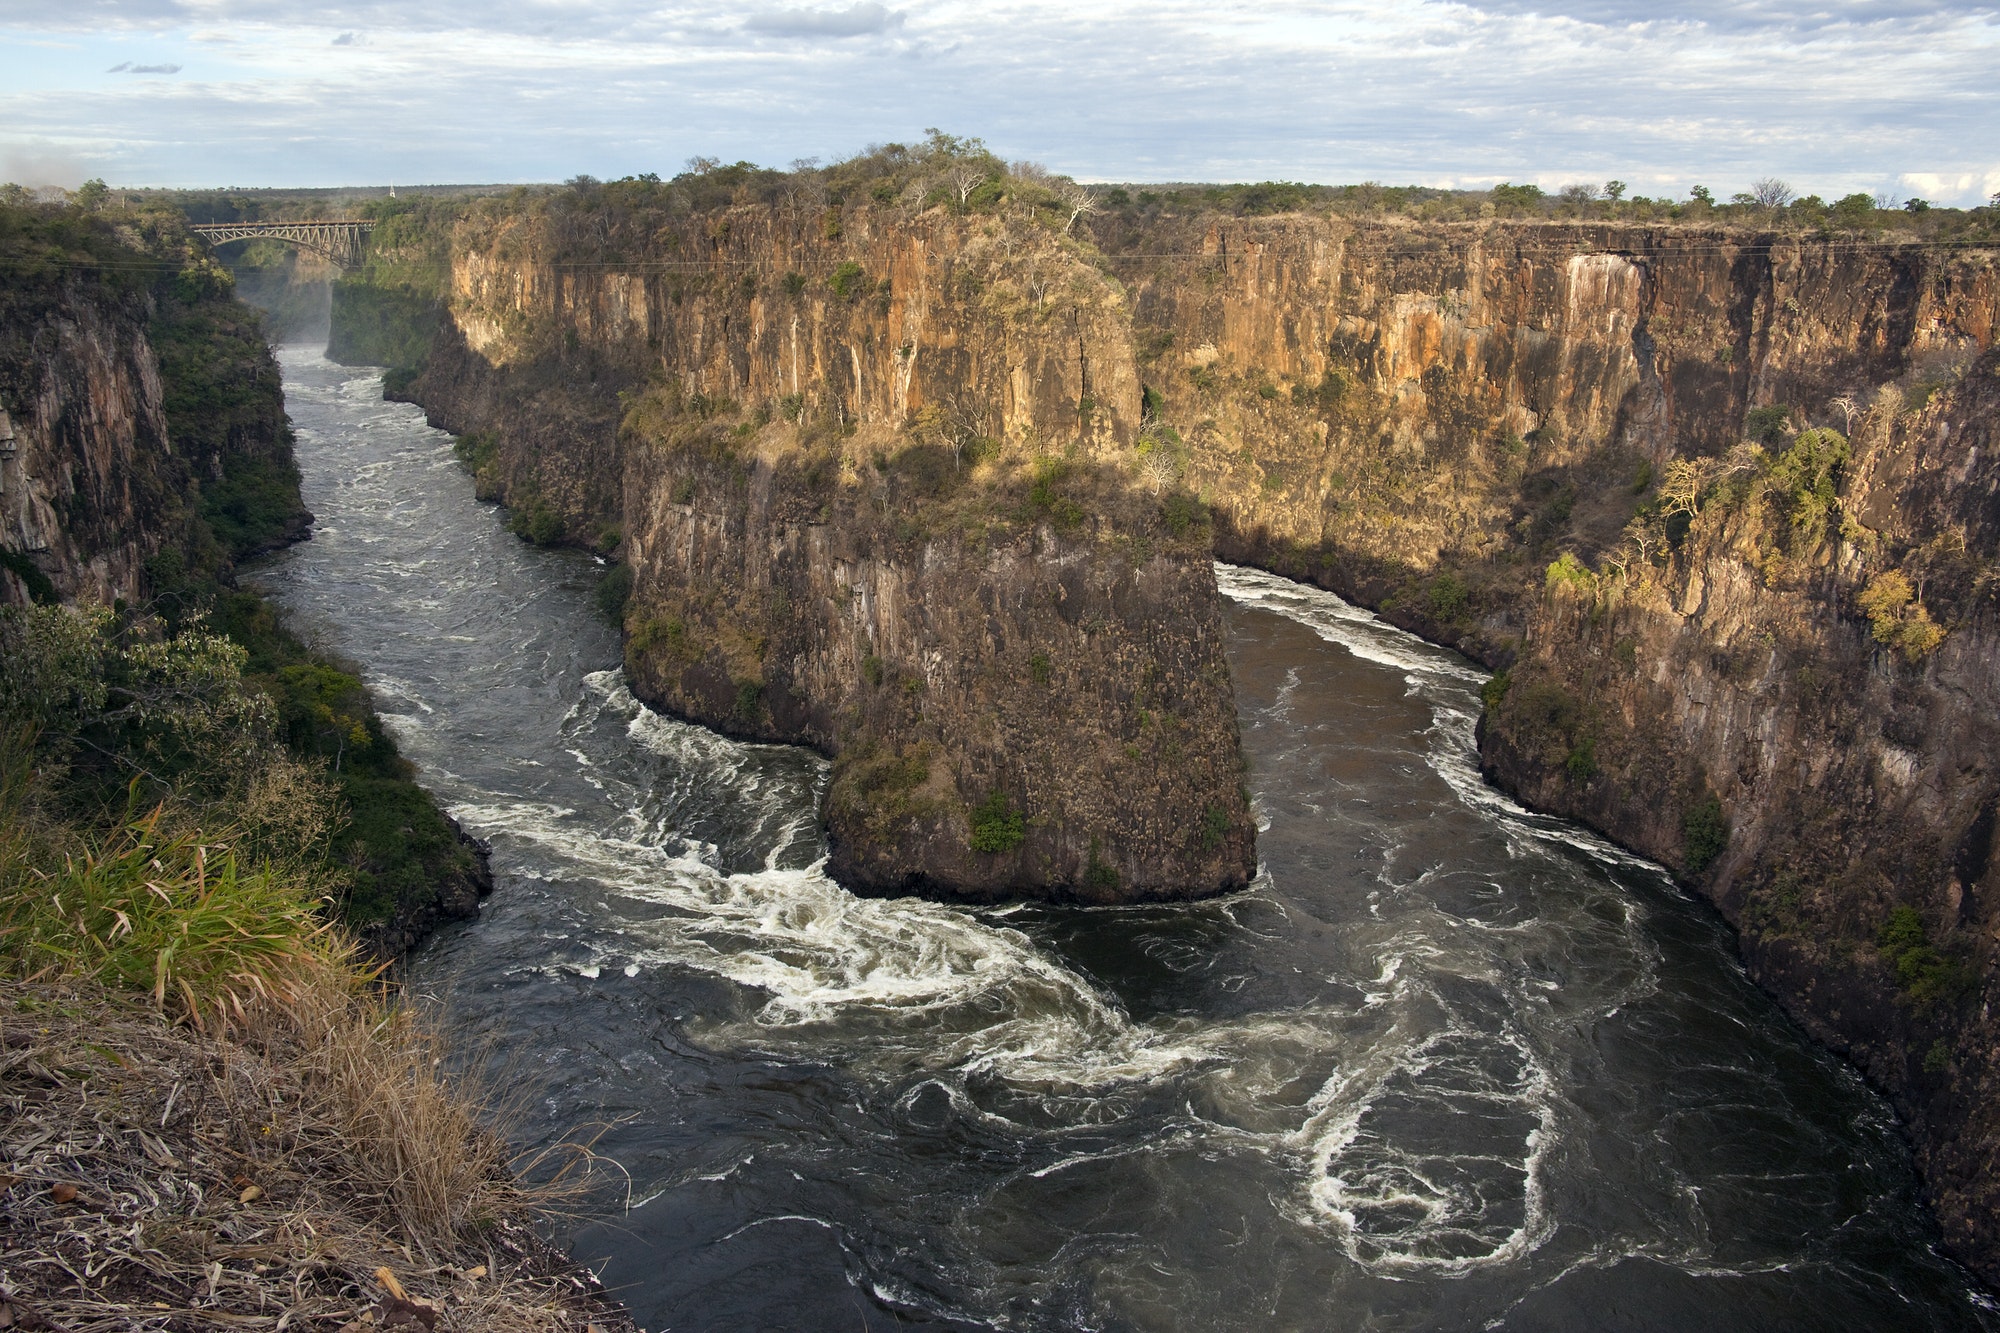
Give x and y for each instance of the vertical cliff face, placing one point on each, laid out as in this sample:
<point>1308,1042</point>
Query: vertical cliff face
<point>1720,500</point>
<point>143,415</point>
<point>89,486</point>
<point>1373,405</point>
<point>1813,743</point>
<point>871,474</point>
<point>1529,441</point>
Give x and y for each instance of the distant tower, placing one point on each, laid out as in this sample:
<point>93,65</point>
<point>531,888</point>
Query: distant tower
<point>392,189</point>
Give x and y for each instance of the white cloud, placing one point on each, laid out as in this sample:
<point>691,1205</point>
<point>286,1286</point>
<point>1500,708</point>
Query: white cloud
<point>854,21</point>
<point>1833,96</point>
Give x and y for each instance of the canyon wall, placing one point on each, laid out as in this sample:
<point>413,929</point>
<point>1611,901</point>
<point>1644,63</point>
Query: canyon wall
<point>144,451</point>
<point>868,472</point>
<point>1535,443</point>
<point>1717,504</point>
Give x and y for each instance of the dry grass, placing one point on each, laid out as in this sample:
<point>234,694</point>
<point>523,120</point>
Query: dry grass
<point>160,1178</point>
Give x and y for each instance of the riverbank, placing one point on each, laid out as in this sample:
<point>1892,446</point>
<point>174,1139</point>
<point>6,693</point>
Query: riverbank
<point>304,1170</point>
<point>209,844</point>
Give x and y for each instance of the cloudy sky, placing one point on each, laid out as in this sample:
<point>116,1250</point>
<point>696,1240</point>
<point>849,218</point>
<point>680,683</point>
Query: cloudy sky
<point>1831,95</point>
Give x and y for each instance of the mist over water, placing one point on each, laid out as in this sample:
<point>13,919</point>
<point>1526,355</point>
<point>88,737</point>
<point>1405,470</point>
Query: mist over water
<point>1447,1064</point>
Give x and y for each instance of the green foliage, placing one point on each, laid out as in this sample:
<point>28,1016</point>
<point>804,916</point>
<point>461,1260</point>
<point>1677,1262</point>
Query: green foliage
<point>848,281</point>
<point>612,593</point>
<point>1447,597</point>
<point>1048,500</point>
<point>1099,879</point>
<point>1805,479</point>
<point>1704,834</point>
<point>1927,976</point>
<point>1766,425</point>
<point>1569,572</point>
<point>1152,403</point>
<point>535,521</point>
<point>1214,827</point>
<point>871,669</point>
<point>149,910</point>
<point>1183,513</point>
<point>377,324</point>
<point>996,825</point>
<point>749,699</point>
<point>1040,668</point>
<point>1581,762</point>
<point>795,284</point>
<point>1494,690</point>
<point>1937,1060</point>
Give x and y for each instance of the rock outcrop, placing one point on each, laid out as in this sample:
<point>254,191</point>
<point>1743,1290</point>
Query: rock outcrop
<point>1529,442</point>
<point>1770,667</point>
<point>868,478</point>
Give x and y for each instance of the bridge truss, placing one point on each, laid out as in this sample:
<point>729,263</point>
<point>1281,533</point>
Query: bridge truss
<point>340,242</point>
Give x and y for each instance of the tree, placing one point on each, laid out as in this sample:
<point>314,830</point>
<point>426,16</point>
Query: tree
<point>1847,408</point>
<point>1682,485</point>
<point>90,196</point>
<point>1578,197</point>
<point>1614,190</point>
<point>1770,192</point>
<point>1700,195</point>
<point>1078,199</point>
<point>1916,205</point>
<point>964,175</point>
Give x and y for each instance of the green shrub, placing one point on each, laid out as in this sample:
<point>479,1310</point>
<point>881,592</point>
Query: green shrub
<point>1047,499</point>
<point>1183,513</point>
<point>1448,597</point>
<point>1581,762</point>
<point>1040,668</point>
<point>795,283</point>
<point>1704,834</point>
<point>536,522</point>
<point>1099,879</point>
<point>848,281</point>
<point>476,449</point>
<point>1214,827</point>
<point>749,699</point>
<point>1928,976</point>
<point>1569,572</point>
<point>1766,425</point>
<point>871,669</point>
<point>1494,690</point>
<point>996,825</point>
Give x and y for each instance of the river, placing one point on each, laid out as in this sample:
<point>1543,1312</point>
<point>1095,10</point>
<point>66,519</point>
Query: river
<point>1446,1065</point>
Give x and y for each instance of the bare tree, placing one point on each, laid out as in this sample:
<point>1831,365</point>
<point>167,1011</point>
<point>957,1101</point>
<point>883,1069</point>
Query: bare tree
<point>1578,197</point>
<point>1160,469</point>
<point>965,176</point>
<point>1078,199</point>
<point>1848,407</point>
<point>1770,192</point>
<point>1645,537</point>
<point>1683,483</point>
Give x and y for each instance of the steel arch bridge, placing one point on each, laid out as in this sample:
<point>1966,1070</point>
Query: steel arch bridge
<point>340,242</point>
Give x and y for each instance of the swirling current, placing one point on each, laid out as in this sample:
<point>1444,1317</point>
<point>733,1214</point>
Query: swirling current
<point>1447,1064</point>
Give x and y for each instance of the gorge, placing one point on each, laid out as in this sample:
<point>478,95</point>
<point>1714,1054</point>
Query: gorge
<point>1520,439</point>
<point>1219,932</point>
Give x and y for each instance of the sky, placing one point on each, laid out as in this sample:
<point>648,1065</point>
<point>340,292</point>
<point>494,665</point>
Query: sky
<point>1832,96</point>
